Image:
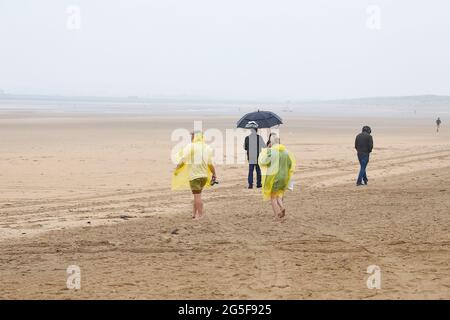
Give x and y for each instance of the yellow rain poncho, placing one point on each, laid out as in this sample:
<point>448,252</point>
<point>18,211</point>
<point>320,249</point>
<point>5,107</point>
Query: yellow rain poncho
<point>193,163</point>
<point>277,166</point>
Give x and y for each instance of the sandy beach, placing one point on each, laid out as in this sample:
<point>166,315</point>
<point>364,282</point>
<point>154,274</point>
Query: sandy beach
<point>94,191</point>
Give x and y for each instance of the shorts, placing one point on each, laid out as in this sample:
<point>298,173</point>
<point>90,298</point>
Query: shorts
<point>197,185</point>
<point>279,185</point>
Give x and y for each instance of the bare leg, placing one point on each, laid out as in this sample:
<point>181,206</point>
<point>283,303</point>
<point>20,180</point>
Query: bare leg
<point>198,205</point>
<point>194,209</point>
<point>283,209</point>
<point>275,207</point>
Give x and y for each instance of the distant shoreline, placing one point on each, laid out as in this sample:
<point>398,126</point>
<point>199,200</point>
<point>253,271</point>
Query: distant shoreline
<point>427,106</point>
<point>174,99</point>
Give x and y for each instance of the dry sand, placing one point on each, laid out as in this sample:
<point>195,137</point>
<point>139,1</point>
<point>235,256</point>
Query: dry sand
<point>94,191</point>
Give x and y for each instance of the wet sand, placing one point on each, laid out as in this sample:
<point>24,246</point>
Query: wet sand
<point>94,191</point>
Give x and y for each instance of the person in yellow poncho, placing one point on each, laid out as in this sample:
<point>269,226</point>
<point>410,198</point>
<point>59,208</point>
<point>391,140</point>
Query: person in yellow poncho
<point>277,165</point>
<point>195,171</point>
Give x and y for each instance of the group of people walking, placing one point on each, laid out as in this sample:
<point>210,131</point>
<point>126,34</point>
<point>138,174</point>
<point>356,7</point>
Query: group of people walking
<point>273,163</point>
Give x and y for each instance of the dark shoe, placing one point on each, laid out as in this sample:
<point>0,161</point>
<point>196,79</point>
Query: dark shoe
<point>358,184</point>
<point>259,186</point>
<point>250,187</point>
<point>365,181</point>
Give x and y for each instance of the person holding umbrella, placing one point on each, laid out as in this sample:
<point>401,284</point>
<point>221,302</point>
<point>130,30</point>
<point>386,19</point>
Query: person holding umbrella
<point>253,144</point>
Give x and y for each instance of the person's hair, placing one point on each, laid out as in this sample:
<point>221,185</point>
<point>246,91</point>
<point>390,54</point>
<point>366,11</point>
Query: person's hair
<point>272,136</point>
<point>275,140</point>
<point>366,129</point>
<point>194,133</point>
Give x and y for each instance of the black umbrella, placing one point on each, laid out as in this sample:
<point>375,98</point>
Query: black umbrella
<point>264,119</point>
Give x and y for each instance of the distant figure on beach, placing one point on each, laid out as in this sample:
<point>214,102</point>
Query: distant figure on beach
<point>277,165</point>
<point>253,144</point>
<point>438,124</point>
<point>195,171</point>
<point>364,146</point>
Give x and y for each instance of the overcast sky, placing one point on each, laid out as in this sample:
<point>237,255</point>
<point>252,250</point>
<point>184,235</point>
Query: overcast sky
<point>250,49</point>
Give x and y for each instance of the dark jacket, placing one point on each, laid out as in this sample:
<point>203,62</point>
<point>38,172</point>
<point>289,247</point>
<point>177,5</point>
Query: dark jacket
<point>253,145</point>
<point>364,143</point>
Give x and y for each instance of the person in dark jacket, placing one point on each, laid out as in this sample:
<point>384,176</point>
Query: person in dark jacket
<point>438,124</point>
<point>253,144</point>
<point>364,146</point>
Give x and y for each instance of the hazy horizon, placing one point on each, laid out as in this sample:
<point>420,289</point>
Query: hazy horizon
<point>253,50</point>
<point>5,96</point>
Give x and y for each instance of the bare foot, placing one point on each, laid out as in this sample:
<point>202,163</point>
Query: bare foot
<point>278,215</point>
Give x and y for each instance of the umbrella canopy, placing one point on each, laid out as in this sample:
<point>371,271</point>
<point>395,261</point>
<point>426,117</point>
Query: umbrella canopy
<point>264,119</point>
